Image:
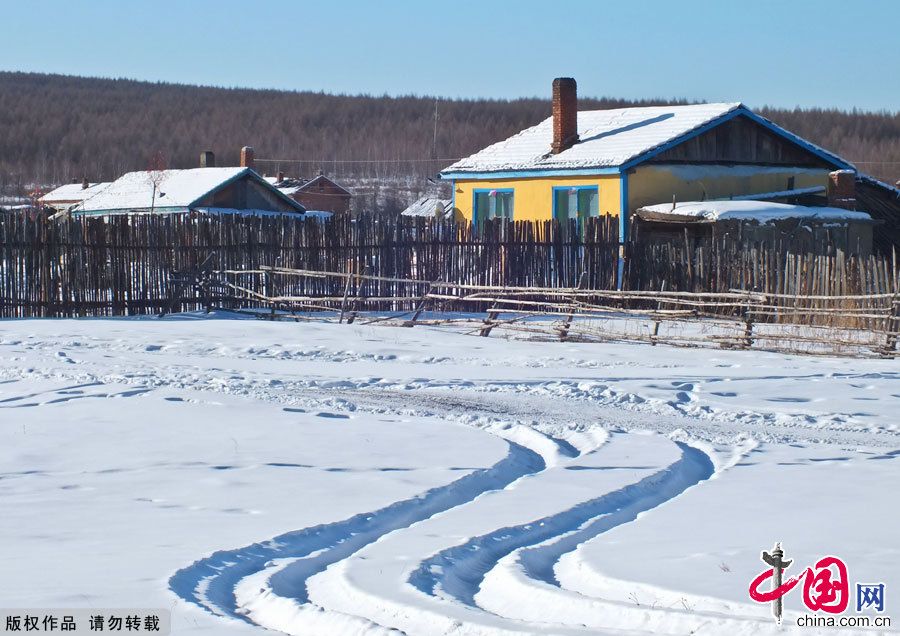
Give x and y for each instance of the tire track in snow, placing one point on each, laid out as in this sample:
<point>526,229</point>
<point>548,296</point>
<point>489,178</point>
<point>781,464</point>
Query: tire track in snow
<point>210,582</point>
<point>530,572</point>
<point>380,582</point>
<point>459,571</point>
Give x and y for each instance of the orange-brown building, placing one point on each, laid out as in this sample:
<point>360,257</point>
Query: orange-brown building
<point>319,193</point>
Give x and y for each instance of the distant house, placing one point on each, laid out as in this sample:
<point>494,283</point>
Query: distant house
<point>430,207</point>
<point>71,194</point>
<point>576,165</point>
<point>11,203</point>
<point>198,190</point>
<point>319,193</point>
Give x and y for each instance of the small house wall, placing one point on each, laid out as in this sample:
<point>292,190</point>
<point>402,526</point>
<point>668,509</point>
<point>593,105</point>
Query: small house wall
<point>796,235</point>
<point>246,194</point>
<point>658,183</point>
<point>323,195</point>
<point>533,197</point>
<point>740,140</point>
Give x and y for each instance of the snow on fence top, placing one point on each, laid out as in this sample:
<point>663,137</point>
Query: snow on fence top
<point>759,211</point>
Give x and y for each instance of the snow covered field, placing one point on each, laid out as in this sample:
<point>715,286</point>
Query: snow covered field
<point>336,479</point>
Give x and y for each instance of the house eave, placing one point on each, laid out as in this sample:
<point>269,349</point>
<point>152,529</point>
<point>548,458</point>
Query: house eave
<point>530,173</point>
<point>740,110</point>
<point>256,177</point>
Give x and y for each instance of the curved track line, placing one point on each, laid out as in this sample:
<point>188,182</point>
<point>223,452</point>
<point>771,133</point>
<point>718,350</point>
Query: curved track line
<point>210,582</point>
<point>562,608</point>
<point>460,570</point>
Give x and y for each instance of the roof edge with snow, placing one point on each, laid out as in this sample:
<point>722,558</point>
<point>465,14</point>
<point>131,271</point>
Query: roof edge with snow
<point>606,157</point>
<point>119,195</point>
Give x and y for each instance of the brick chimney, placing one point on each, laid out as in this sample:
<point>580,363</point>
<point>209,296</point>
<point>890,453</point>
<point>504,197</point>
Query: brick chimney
<point>279,177</point>
<point>85,184</point>
<point>841,189</point>
<point>565,114</point>
<point>207,159</point>
<point>247,157</point>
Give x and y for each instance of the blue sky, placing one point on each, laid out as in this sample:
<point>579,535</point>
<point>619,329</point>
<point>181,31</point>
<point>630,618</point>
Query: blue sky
<point>843,53</point>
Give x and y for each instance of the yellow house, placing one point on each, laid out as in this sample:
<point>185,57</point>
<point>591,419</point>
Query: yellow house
<point>581,164</point>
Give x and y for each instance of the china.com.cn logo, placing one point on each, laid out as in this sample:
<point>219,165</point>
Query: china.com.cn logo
<point>826,587</point>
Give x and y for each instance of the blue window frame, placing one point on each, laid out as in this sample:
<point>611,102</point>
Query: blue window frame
<point>576,203</point>
<point>492,203</point>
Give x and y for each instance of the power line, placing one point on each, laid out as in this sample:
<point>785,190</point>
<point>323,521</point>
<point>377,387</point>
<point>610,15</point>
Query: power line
<point>882,163</point>
<point>352,160</point>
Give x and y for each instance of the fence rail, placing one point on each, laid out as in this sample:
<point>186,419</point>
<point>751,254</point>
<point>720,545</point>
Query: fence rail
<point>857,325</point>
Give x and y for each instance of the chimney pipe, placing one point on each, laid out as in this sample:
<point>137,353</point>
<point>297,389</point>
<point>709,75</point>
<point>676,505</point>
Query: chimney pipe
<point>247,155</point>
<point>207,159</point>
<point>841,189</point>
<point>565,114</point>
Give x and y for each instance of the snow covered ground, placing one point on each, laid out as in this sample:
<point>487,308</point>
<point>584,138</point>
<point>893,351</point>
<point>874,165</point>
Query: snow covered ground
<point>348,479</point>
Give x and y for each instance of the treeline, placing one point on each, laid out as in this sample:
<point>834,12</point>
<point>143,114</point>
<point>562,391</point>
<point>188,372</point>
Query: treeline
<point>54,129</point>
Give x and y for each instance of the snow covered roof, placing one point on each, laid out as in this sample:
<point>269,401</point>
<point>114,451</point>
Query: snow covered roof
<point>177,189</point>
<point>291,185</point>
<point>287,186</point>
<point>612,139</point>
<point>759,211</point>
<point>428,206</point>
<point>322,177</point>
<point>72,193</point>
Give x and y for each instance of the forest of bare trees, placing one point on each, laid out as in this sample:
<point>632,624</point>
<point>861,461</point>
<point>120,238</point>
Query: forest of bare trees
<point>56,128</point>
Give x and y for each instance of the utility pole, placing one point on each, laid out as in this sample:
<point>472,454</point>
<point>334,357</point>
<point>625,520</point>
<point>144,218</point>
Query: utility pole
<point>434,137</point>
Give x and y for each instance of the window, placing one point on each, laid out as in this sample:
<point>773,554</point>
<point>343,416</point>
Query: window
<point>493,204</point>
<point>575,203</point>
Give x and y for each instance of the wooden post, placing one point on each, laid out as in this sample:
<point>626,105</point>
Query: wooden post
<point>202,277</point>
<point>748,326</point>
<point>419,308</point>
<point>346,293</point>
<point>564,330</point>
<point>658,321</point>
<point>203,285</point>
<point>893,325</point>
<point>489,322</point>
<point>354,306</point>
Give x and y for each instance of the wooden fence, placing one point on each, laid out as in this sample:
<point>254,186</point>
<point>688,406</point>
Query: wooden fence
<point>152,264</point>
<point>856,325</point>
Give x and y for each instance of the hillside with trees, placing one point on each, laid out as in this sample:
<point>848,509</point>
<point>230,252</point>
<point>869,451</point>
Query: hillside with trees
<point>54,129</point>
